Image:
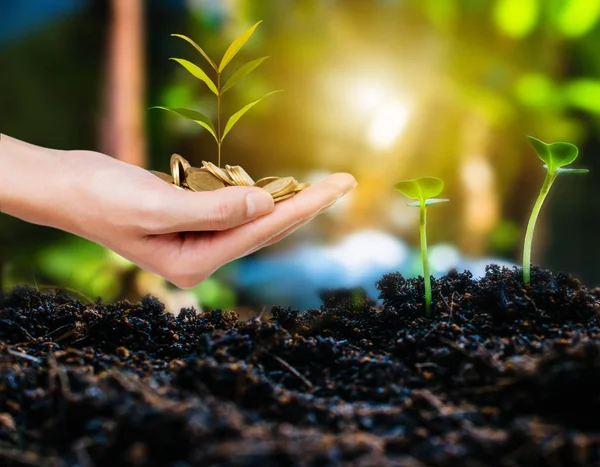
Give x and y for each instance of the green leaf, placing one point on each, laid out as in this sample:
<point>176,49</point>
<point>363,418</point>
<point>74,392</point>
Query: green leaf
<point>541,149</point>
<point>236,116</point>
<point>555,155</point>
<point>241,72</point>
<point>198,48</point>
<point>198,73</point>
<point>421,188</point>
<point>197,117</point>
<point>236,45</point>
<point>563,154</point>
<point>571,171</point>
<point>431,201</point>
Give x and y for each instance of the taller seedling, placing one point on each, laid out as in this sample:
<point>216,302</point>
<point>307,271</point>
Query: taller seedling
<point>555,156</point>
<point>216,88</point>
<point>423,190</point>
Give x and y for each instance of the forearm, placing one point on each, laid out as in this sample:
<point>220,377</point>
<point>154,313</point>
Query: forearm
<point>31,182</point>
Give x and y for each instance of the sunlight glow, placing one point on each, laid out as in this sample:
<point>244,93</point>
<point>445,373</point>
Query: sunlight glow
<point>387,124</point>
<point>368,96</point>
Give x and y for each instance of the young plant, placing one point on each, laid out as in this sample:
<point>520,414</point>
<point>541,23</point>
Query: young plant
<point>216,88</point>
<point>423,190</point>
<point>555,156</point>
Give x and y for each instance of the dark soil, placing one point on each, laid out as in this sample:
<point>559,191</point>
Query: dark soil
<point>501,375</point>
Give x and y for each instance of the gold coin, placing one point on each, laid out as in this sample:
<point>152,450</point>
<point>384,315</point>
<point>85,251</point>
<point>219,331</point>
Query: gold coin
<point>231,173</point>
<point>199,180</point>
<point>163,176</point>
<point>178,168</point>
<point>239,175</point>
<point>281,186</point>
<point>265,181</point>
<point>244,175</point>
<point>196,169</point>
<point>281,198</point>
<point>217,172</point>
<point>301,186</point>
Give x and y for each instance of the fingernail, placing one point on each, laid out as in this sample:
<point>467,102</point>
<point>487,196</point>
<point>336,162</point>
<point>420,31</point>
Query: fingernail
<point>347,189</point>
<point>345,184</point>
<point>258,203</point>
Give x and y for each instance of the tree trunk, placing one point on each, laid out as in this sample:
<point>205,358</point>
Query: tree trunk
<point>123,123</point>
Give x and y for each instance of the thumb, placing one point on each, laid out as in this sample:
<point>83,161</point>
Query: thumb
<point>221,209</point>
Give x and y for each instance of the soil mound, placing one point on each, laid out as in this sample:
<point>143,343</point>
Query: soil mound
<point>501,375</point>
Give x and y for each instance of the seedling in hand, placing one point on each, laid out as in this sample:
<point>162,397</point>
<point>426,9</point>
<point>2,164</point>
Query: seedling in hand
<point>218,89</point>
<point>555,157</point>
<point>423,190</point>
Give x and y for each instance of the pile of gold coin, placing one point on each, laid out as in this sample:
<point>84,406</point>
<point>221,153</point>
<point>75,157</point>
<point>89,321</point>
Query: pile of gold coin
<point>210,177</point>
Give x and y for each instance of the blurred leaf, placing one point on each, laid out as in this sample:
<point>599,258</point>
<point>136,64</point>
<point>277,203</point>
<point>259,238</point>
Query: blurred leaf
<point>198,48</point>
<point>236,45</point>
<point>420,188</point>
<point>555,155</point>
<point>198,73</point>
<point>83,265</point>
<point>241,72</point>
<point>177,95</point>
<point>236,116</point>
<point>584,94</point>
<point>212,293</point>
<point>516,18</point>
<point>443,13</point>
<point>577,17</point>
<point>104,283</point>
<point>197,117</point>
<point>536,90</point>
<point>505,237</point>
<point>62,260</point>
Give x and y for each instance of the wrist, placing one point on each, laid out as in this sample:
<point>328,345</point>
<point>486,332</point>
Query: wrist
<point>30,184</point>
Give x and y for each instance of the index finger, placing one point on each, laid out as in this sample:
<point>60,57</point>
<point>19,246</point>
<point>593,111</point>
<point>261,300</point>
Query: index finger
<point>240,241</point>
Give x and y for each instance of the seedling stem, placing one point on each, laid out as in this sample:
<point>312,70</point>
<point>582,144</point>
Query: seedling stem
<point>426,276</point>
<point>537,207</point>
<point>219,140</point>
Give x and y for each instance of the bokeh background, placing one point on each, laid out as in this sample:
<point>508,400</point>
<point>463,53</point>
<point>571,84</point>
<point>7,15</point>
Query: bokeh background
<point>384,89</point>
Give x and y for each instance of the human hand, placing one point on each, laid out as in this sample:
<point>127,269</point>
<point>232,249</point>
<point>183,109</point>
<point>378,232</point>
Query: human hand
<point>180,235</point>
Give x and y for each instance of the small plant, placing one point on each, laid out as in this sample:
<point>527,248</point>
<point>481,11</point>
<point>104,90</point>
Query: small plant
<point>218,89</point>
<point>423,190</point>
<point>555,156</point>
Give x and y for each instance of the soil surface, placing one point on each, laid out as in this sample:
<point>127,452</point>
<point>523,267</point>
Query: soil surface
<point>501,375</point>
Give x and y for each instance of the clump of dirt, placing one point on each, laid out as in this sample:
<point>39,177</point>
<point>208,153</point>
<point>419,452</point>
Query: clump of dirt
<point>502,374</point>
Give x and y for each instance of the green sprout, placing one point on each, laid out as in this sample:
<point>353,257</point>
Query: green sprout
<point>555,156</point>
<point>423,190</point>
<point>216,87</point>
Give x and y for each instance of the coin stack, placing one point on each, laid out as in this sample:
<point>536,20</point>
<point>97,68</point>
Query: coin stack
<point>210,177</point>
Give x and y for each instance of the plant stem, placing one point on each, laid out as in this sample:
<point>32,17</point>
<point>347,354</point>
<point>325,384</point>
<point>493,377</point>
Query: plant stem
<point>426,276</point>
<point>219,119</point>
<point>531,226</point>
